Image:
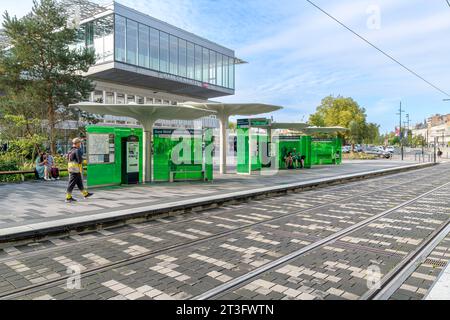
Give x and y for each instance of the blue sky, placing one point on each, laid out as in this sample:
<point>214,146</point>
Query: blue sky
<point>298,55</point>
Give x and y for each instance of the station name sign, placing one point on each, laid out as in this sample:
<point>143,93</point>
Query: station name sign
<point>322,140</point>
<point>247,123</point>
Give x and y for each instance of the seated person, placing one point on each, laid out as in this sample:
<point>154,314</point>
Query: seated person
<point>41,162</point>
<point>296,158</point>
<point>289,161</point>
<point>51,171</point>
<point>302,161</point>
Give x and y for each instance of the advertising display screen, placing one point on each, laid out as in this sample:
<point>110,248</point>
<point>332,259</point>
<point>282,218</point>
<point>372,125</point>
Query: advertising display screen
<point>132,157</point>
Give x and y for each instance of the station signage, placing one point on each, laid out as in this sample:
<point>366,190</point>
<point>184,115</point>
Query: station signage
<point>247,123</point>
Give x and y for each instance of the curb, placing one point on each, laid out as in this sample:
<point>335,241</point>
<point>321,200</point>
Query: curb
<point>67,226</point>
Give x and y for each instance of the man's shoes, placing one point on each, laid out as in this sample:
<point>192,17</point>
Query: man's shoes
<point>88,195</point>
<point>71,200</point>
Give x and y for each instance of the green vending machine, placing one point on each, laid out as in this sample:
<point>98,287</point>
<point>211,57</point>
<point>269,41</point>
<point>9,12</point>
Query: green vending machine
<point>326,151</point>
<point>114,155</point>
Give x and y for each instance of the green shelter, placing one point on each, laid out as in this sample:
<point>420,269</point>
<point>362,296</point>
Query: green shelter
<point>146,115</point>
<point>326,150</point>
<point>114,155</point>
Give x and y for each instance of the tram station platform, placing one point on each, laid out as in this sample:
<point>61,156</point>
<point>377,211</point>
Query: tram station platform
<point>38,209</point>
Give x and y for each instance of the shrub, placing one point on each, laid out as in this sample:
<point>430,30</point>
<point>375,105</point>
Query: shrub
<point>9,162</point>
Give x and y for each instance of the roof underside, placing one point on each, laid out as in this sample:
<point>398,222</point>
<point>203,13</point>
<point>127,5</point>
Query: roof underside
<point>133,78</point>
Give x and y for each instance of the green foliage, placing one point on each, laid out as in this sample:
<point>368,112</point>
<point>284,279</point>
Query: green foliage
<point>44,63</point>
<point>345,112</point>
<point>9,162</point>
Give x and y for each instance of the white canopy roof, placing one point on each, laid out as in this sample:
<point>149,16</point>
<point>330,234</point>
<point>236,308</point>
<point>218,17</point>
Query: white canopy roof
<point>146,114</point>
<point>324,130</point>
<point>289,126</point>
<point>236,109</point>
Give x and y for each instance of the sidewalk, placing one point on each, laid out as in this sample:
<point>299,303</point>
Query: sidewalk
<point>441,289</point>
<point>40,205</point>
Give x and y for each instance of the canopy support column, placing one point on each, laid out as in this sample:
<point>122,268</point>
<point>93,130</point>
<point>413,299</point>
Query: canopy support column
<point>223,119</point>
<point>147,155</point>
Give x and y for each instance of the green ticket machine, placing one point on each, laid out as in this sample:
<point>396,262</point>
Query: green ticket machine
<point>326,151</point>
<point>130,160</point>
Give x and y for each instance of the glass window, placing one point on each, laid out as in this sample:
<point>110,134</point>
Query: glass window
<point>149,100</point>
<point>198,63</point>
<point>120,98</point>
<point>212,67</point>
<point>182,58</point>
<point>173,55</point>
<point>190,60</point>
<point>131,99</point>
<point>132,43</point>
<point>140,100</point>
<point>108,38</point>
<point>98,96</point>
<point>154,49</point>
<point>205,65</point>
<point>163,52</point>
<point>144,46</point>
<point>120,35</point>
<point>231,73</point>
<point>97,39</point>
<point>225,71</point>
<point>219,81</point>
<point>110,97</point>
<point>89,33</point>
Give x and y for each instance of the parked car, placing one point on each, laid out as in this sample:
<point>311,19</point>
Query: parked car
<point>379,152</point>
<point>346,149</point>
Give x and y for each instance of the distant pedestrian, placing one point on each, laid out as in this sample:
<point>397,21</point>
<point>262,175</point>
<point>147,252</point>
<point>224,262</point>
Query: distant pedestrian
<point>75,168</point>
<point>440,153</point>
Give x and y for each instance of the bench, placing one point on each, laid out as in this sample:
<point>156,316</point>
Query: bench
<point>22,173</point>
<point>173,173</point>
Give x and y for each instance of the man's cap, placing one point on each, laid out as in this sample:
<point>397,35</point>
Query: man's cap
<point>76,140</point>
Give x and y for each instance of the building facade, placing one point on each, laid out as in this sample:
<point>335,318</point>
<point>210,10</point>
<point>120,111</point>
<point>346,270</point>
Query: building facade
<point>435,128</point>
<point>146,61</point>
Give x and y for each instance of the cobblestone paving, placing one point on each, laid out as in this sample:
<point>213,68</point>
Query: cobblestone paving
<point>44,201</point>
<point>181,257</point>
<point>418,285</point>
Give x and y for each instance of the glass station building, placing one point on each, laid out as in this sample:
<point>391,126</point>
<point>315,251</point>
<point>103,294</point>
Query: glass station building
<point>143,60</point>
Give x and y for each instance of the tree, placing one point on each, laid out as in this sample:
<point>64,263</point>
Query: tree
<point>44,62</point>
<point>345,112</point>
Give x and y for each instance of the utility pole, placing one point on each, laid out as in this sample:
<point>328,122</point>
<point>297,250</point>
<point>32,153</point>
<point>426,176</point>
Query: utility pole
<point>400,130</point>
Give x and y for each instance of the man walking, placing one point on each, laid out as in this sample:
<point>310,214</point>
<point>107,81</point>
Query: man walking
<point>75,168</point>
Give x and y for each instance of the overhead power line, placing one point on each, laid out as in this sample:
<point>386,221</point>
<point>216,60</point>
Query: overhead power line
<point>382,51</point>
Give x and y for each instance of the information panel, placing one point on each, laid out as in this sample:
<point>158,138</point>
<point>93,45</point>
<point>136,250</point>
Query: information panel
<point>101,148</point>
<point>132,157</point>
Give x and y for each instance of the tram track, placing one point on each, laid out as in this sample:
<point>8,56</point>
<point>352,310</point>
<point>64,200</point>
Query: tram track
<point>226,287</point>
<point>394,279</point>
<point>39,286</point>
<point>205,214</point>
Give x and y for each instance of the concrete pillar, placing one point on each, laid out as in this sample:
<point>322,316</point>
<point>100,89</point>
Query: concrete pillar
<point>223,120</point>
<point>147,156</point>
